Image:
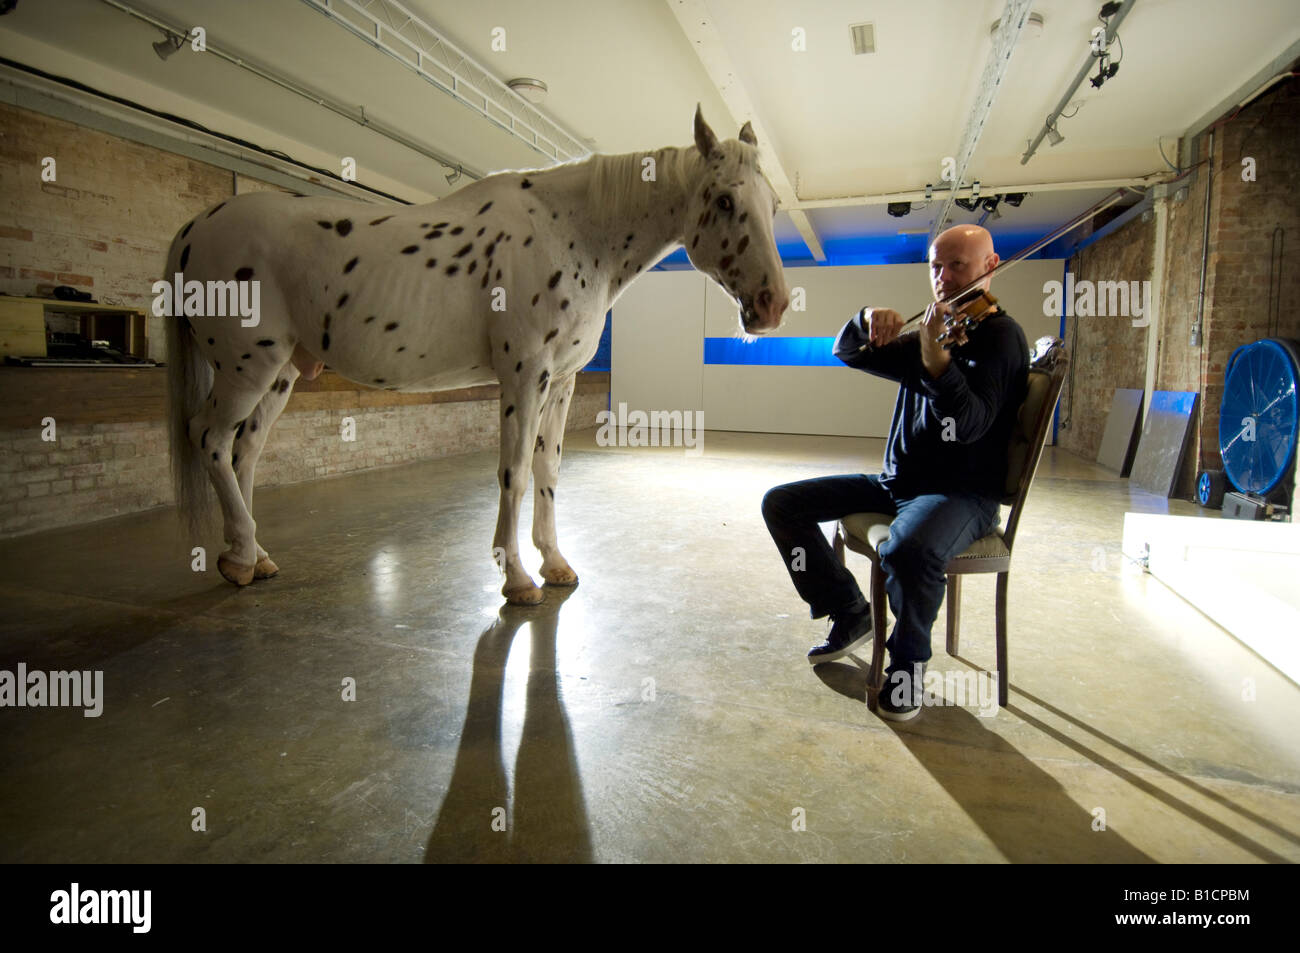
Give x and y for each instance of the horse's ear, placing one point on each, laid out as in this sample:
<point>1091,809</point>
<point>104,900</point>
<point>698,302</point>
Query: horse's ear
<point>747,134</point>
<point>705,140</point>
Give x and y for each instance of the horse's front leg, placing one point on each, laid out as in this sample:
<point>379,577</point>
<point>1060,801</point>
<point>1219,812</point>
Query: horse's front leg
<point>546,472</point>
<point>521,403</point>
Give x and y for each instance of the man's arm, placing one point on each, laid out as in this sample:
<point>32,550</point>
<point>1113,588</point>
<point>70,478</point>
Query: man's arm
<point>974,396</point>
<point>891,360</point>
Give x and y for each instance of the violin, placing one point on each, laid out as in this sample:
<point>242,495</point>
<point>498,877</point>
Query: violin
<point>968,310</point>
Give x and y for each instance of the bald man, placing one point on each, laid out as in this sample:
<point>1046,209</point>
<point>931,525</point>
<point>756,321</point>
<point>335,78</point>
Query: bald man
<point>944,469</point>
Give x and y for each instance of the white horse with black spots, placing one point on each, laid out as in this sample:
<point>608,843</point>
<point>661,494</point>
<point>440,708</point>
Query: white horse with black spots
<point>507,280</point>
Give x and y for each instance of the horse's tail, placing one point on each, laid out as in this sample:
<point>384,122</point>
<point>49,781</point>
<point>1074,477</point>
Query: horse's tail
<point>189,380</point>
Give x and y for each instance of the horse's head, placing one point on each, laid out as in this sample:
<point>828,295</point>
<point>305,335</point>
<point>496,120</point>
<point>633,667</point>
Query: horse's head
<point>728,227</point>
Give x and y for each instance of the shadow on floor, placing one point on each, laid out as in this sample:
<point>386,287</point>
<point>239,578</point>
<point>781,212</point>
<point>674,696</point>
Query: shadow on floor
<point>547,821</point>
<point>1022,809</point>
<point>1228,833</point>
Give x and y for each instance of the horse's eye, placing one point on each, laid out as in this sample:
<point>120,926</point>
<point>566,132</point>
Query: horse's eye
<point>724,202</point>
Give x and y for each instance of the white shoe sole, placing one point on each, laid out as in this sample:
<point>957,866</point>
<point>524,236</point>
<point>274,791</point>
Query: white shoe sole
<point>840,653</point>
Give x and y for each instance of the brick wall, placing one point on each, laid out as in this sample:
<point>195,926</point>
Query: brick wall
<point>1126,255</point>
<point>104,225</point>
<point>94,471</point>
<point>1244,218</point>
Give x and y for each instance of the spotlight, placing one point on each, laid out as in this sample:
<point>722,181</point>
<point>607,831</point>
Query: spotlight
<point>991,203</point>
<point>166,47</point>
<point>453,176</point>
<point>1054,137</point>
<point>969,205</point>
<point>1014,198</point>
<point>1105,70</point>
<point>898,209</point>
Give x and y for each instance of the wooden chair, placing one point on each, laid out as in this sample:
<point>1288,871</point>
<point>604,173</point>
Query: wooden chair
<point>864,532</point>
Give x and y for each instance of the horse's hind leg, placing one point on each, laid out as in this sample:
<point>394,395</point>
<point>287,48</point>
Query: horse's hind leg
<point>521,405</point>
<point>546,473</point>
<point>212,431</point>
<point>250,438</point>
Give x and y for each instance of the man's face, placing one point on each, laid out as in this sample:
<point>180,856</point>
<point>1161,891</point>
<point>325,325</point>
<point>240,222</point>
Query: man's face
<point>955,263</point>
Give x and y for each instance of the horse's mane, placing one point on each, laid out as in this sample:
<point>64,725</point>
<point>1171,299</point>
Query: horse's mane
<point>615,183</point>
<point>615,187</point>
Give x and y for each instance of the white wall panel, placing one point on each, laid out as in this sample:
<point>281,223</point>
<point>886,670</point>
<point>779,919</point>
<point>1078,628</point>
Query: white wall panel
<point>660,323</point>
<point>657,343</point>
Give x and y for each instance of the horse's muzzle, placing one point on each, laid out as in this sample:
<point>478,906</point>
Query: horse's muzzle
<point>763,313</point>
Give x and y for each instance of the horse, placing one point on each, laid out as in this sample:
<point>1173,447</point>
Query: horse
<point>506,280</point>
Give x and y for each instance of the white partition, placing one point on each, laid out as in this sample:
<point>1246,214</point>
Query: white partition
<point>1240,573</point>
<point>658,348</point>
<point>657,343</point>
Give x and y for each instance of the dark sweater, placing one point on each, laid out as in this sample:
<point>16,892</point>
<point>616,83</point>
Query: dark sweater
<point>975,400</point>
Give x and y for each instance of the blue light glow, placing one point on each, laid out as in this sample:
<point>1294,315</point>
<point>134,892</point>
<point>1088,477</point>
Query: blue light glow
<point>781,352</point>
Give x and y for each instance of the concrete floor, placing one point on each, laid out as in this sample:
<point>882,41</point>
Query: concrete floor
<point>661,711</point>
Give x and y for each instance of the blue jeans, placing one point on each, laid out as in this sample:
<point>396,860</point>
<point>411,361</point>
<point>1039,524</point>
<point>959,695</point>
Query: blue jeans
<point>927,531</point>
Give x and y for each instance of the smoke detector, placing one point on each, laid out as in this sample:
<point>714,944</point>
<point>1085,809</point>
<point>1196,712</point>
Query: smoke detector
<point>533,90</point>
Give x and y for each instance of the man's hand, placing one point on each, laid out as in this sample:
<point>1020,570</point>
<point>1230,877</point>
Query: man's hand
<point>933,354</point>
<point>881,324</point>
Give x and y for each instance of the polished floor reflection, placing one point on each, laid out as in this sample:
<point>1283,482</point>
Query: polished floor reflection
<point>375,702</point>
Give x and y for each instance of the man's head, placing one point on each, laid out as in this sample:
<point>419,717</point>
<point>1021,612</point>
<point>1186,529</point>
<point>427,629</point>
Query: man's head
<point>958,256</point>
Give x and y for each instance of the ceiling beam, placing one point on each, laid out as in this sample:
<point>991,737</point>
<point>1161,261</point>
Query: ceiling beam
<point>702,32</point>
<point>394,30</point>
<point>265,73</point>
<point>1010,26</point>
<point>919,195</point>
<point>1246,92</point>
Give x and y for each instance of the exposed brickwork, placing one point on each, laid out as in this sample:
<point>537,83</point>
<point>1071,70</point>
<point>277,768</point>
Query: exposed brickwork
<point>94,471</point>
<point>1244,219</point>
<point>1246,216</point>
<point>1125,256</point>
<point>104,225</point>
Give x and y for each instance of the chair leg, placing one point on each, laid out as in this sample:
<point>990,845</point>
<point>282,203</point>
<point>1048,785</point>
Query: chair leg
<point>954,612</point>
<point>837,544</point>
<point>1004,676</point>
<point>876,677</point>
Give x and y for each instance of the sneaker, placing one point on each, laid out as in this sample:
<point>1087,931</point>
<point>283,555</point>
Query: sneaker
<point>901,694</point>
<point>848,632</point>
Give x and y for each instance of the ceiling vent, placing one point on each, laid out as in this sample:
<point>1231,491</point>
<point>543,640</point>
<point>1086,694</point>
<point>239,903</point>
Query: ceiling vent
<point>864,38</point>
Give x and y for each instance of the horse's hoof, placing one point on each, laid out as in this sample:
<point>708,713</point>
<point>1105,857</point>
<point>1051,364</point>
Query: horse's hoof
<point>524,596</point>
<point>265,568</point>
<point>563,576</point>
<point>239,575</point>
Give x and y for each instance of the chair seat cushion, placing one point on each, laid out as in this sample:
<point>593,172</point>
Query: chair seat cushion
<point>870,528</point>
<point>986,547</point>
<point>873,529</point>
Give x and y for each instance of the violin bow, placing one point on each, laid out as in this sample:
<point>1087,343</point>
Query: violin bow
<point>1021,255</point>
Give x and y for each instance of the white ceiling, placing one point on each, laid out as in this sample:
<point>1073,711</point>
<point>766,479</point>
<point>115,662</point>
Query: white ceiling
<point>625,76</point>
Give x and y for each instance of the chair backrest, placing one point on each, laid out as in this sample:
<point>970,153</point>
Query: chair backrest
<point>1046,374</point>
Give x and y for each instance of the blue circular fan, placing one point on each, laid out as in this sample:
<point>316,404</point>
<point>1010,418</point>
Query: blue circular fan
<point>1259,414</point>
